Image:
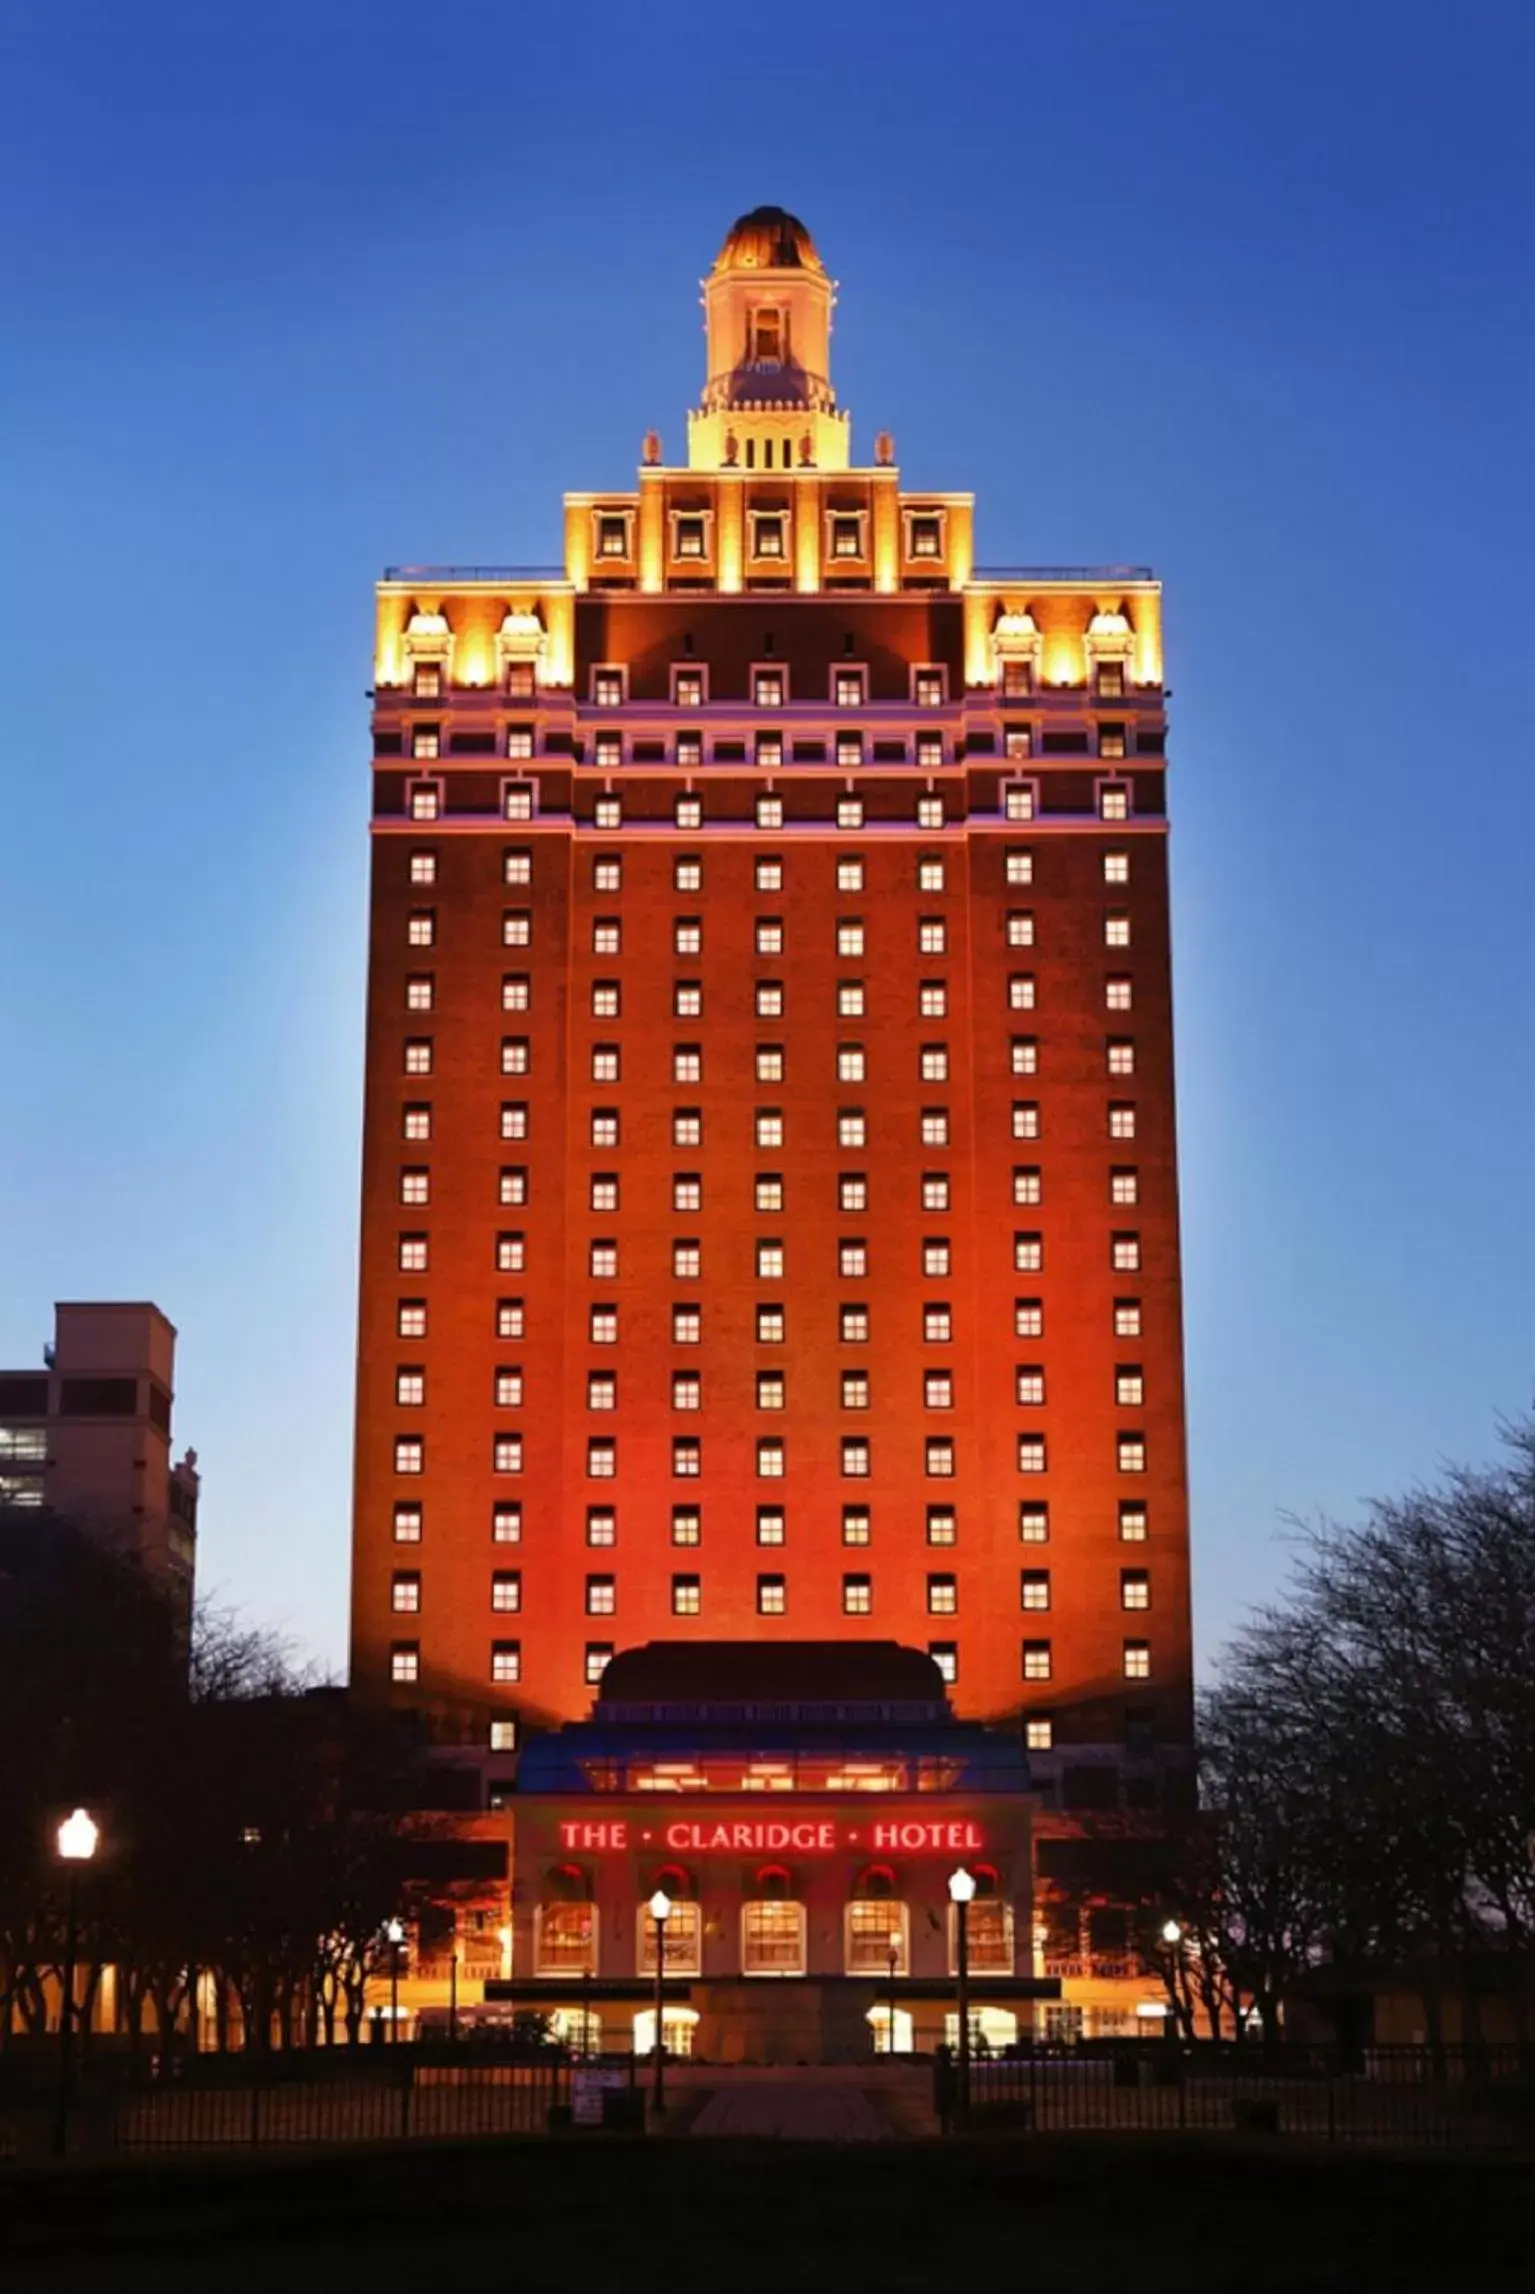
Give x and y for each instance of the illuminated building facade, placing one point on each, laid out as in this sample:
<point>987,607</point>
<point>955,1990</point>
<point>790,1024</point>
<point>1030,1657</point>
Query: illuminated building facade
<point>88,1437</point>
<point>770,1222</point>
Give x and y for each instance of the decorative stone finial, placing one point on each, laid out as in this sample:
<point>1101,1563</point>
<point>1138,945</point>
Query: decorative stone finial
<point>651,449</point>
<point>884,449</point>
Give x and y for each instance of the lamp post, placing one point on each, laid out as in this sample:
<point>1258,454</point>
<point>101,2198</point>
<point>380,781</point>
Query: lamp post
<point>1172,1938</point>
<point>895,1961</point>
<point>961,1891</point>
<point>76,1841</point>
<point>394,1936</point>
<point>660,1910</point>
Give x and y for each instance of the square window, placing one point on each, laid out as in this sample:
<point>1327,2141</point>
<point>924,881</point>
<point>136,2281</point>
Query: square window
<point>1034,1524</point>
<point>407,1524</point>
<point>506,1524</point>
<point>1121,1120</point>
<point>405,1661</point>
<point>1029,1387</point>
<point>687,1596</point>
<point>1028,1318</point>
<point>1130,1450</point>
<point>1127,1318</point>
<point>853,1325</point>
<point>1117,995</point>
<point>1114,803</point>
<point>687,1192</point>
<point>687,1325</point>
<point>850,937</point>
<point>849,873</point>
<point>1121,1056</point>
<point>768,871</point>
<point>938,1460</point>
<point>517,796</point>
<point>1028,1253</point>
<point>770,1063</point>
<point>942,1596</point>
<point>1018,800</point>
<point>506,1660</point>
<point>424,804</point>
<point>1137,1660</point>
<point>687,1127</point>
<point>770,1325</point>
<point>770,935</point>
<point>767,688</point>
<point>1036,1660</point>
<point>942,1525</point>
<point>927,685</point>
<point>934,1127</point>
<point>506,1590</point>
<point>1038,1733</point>
<point>598,1656</point>
<point>688,684</point>
<point>415,1187</point>
<point>1116,868</point>
<point>687,1390</point>
<point>848,684</point>
<point>687,1261</point>
<point>852,1259</point>
<point>852,1191</point>
<point>419,993</point>
<point>945,1655</point>
<point>601,1525</point>
<point>1018,867</point>
<point>855,1458</point>
<point>849,812</point>
<point>771,1528</point>
<point>1031,1454</point>
<point>770,812</point>
<point>687,1457</point>
<point>857,1525</point>
<point>405,1592</point>
<point>772,1597</point>
<point>855,1389</point>
<point>1134,1589</point>
<point>1034,1589</point>
<point>423,868</point>
<point>770,1389</point>
<point>688,873</point>
<point>607,688</point>
<point>602,1261</point>
<point>850,1000</point>
<point>770,1461</point>
<point>857,1596</point>
<point>426,741</point>
<point>849,750</point>
<point>687,1525</point>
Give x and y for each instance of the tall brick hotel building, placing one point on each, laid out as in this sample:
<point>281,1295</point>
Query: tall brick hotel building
<point>770,1226</point>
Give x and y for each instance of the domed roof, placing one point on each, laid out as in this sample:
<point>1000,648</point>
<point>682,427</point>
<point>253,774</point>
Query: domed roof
<point>768,239</point>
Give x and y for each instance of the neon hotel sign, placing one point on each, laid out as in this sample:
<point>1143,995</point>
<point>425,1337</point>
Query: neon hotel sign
<point>752,1836</point>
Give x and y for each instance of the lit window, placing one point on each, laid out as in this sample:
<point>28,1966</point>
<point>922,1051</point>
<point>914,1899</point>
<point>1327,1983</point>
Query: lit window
<point>506,1454</point>
<point>1028,1318</point>
<point>512,1186</point>
<point>1110,679</point>
<point>853,1325</point>
<point>849,812</point>
<point>852,1259</point>
<point>1121,1120</point>
<point>687,1325</point>
<point>768,872</point>
<point>421,929</point>
<point>929,812</point>
<point>850,1063</point>
<point>1117,995</point>
<point>688,873</point>
<point>850,937</point>
<point>1137,1660</point>
<point>767,537</point>
<point>687,1063</point>
<point>1127,1318</point>
<point>602,1261</point>
<point>849,873</point>
<point>1021,992</point>
<point>613,536</point>
<point>689,544</point>
<point>517,797</point>
<point>423,868</point>
<point>933,1063</point>
<point>857,1525</point>
<point>607,873</point>
<point>852,1191</point>
<point>1019,867</point>
<point>1121,1056</point>
<point>687,1596</point>
<point>848,684</point>
<point>932,936</point>
<point>1134,1589</point>
<point>927,684</point>
<point>1033,1524</point>
<point>770,1389</point>
<point>687,1192</point>
<point>770,1259</point>
<point>770,812</point>
<point>770,1460</point>
<point>419,992</point>
<point>1028,1185</point>
<point>1036,1660</point>
<point>769,1127</point>
<point>1028,1253</point>
<point>687,1525</point>
<point>424,803</point>
<point>506,1660</point>
<point>850,1000</point>
<point>851,1127</point>
<point>771,1527</point>
<point>1125,1254</point>
<point>687,1127</point>
<point>1116,868</point>
<point>519,680</point>
<point>945,1655</point>
<point>1124,1187</point>
<point>508,1389</point>
<point>1031,1454</point>
<point>935,1255</point>
<point>407,1525</point>
<point>506,1590</point>
<point>506,1524</point>
<point>516,1055</point>
<point>849,750</point>
<point>604,1133</point>
<point>690,752</point>
<point>770,999</point>
<point>687,1261</point>
<point>606,932</point>
<point>935,1191</point>
<point>1131,1452</point>
<point>688,684</point>
<point>688,999</point>
<point>405,1591</point>
<point>687,1390</point>
<point>934,1127</point>
<point>938,1460</point>
<point>413,1254</point>
<point>1116,931</point>
<point>1034,1589</point>
<point>688,935</point>
<point>1024,1054</point>
<point>519,744</point>
<point>1038,1733</point>
<point>857,1596</point>
<point>855,1458</point>
<point>416,1123</point>
<point>503,1736</point>
<point>598,1657</point>
<point>426,741</point>
<point>932,1000</point>
<point>770,935</point>
<point>606,999</point>
<point>1018,801</point>
<point>1114,803</point>
<point>607,688</point>
<point>770,1325</point>
<point>687,1457</point>
<point>601,1459</point>
<point>929,751</point>
<point>770,1063</point>
<point>772,1597</point>
<point>415,1187</point>
<point>767,688</point>
<point>405,1661</point>
<point>1029,1387</point>
<point>855,1389</point>
<point>601,1525</point>
<point>601,1390</point>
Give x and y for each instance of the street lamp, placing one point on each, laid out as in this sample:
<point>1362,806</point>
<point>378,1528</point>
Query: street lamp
<point>895,1961</point>
<point>660,1911</point>
<point>961,1891</point>
<point>1172,1932</point>
<point>76,1841</point>
<point>394,1936</point>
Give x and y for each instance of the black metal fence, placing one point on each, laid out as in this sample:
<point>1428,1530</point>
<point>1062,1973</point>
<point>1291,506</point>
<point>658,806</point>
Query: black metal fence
<point>313,2097</point>
<point>1446,2097</point>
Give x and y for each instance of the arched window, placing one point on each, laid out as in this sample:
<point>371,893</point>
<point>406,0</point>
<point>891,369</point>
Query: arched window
<point>773,1935</point>
<point>877,1931</point>
<point>566,1923</point>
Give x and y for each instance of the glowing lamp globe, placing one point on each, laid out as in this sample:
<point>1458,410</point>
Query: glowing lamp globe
<point>77,1837</point>
<point>961,1886</point>
<point>660,1905</point>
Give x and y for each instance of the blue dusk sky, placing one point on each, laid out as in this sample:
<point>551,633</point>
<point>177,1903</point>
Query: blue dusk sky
<point>294,291</point>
